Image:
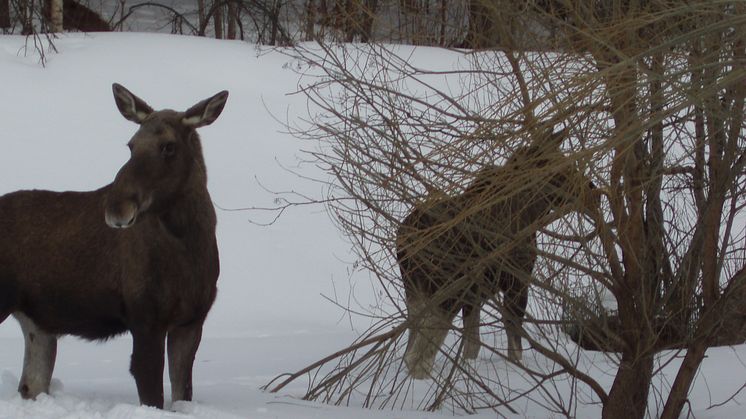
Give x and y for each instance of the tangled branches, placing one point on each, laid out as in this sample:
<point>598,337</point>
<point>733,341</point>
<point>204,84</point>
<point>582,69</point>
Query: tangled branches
<point>651,113</point>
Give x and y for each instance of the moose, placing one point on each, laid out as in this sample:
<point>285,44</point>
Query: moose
<point>137,255</point>
<point>455,253</point>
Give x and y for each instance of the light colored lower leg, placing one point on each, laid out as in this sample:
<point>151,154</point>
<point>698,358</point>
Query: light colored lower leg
<point>515,350</point>
<point>38,358</point>
<point>182,348</point>
<point>426,335</point>
<point>472,340</point>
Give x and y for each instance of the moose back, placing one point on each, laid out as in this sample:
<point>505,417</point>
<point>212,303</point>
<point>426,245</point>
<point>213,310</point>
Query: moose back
<point>137,255</point>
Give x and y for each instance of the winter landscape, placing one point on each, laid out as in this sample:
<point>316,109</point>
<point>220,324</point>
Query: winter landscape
<point>275,311</point>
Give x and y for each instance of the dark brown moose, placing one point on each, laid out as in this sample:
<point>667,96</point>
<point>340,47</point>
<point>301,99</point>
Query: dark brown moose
<point>138,255</point>
<point>455,253</point>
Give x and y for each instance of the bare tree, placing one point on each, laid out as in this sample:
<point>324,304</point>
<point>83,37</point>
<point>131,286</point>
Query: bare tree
<point>654,108</point>
<point>4,14</point>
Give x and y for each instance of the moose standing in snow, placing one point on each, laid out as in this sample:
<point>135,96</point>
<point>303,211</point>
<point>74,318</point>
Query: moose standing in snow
<point>455,253</point>
<point>137,255</point>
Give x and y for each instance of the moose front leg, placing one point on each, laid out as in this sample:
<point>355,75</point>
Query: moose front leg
<point>182,348</point>
<point>38,358</point>
<point>147,366</point>
<point>427,331</point>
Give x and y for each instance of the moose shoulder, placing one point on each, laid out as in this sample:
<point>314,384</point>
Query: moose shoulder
<point>137,255</point>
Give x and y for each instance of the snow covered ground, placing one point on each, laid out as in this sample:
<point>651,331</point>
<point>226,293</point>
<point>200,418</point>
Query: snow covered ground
<point>60,130</point>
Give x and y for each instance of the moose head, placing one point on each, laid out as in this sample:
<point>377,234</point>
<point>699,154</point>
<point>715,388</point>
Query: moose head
<point>166,157</point>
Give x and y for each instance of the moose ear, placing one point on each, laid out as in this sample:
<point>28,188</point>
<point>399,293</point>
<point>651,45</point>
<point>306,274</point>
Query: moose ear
<point>206,111</point>
<point>557,137</point>
<point>552,140</point>
<point>131,106</point>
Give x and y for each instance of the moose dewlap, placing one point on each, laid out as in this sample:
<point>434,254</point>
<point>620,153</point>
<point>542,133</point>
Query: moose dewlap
<point>137,255</point>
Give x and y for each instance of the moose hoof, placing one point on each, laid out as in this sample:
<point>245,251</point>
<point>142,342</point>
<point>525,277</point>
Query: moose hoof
<point>515,356</point>
<point>417,367</point>
<point>28,392</point>
<point>25,392</point>
<point>419,373</point>
<point>471,351</point>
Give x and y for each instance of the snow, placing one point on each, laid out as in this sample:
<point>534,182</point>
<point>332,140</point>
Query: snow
<point>61,131</point>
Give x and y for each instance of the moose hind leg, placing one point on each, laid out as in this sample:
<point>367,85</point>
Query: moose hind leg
<point>472,340</point>
<point>515,301</point>
<point>38,358</point>
<point>426,335</point>
<point>182,348</point>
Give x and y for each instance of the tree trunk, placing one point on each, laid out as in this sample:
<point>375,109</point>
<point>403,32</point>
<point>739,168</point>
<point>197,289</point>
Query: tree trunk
<point>275,23</point>
<point>120,26</point>
<point>482,32</point>
<point>369,10</point>
<point>26,11</point>
<point>628,397</point>
<point>4,14</point>
<point>201,17</point>
<point>218,19</point>
<point>310,20</point>
<point>443,23</point>
<point>348,20</point>
<point>55,16</point>
<point>232,19</point>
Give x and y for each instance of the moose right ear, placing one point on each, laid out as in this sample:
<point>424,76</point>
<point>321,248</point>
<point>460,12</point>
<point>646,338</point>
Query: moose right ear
<point>131,106</point>
<point>206,111</point>
<point>551,140</point>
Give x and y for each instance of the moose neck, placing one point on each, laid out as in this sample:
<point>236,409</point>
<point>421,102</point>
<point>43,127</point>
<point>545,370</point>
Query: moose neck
<point>529,210</point>
<point>190,213</point>
<point>501,192</point>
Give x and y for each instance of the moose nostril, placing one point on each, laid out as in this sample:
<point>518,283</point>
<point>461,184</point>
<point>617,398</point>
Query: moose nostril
<point>122,216</point>
<point>123,223</point>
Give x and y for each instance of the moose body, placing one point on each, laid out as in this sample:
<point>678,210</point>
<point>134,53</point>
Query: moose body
<point>138,255</point>
<point>455,253</point>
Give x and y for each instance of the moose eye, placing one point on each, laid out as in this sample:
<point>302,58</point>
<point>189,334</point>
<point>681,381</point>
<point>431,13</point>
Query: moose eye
<point>168,149</point>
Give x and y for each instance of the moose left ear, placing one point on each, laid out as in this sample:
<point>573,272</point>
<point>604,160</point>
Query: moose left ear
<point>206,111</point>
<point>130,106</point>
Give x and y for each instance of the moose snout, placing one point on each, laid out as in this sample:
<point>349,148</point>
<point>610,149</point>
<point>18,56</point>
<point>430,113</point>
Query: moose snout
<point>121,215</point>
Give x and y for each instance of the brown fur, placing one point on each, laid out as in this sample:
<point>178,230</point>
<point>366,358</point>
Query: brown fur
<point>455,253</point>
<point>68,272</point>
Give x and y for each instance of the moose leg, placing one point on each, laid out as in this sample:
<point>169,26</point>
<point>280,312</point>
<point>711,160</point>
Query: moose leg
<point>38,358</point>
<point>427,332</point>
<point>472,340</point>
<point>515,301</point>
<point>147,366</point>
<point>182,348</point>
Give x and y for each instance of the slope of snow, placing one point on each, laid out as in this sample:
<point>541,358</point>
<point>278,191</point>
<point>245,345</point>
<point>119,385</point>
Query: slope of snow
<point>61,131</point>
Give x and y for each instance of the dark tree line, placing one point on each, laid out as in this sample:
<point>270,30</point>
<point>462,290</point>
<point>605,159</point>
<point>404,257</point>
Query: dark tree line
<point>462,23</point>
<point>31,16</point>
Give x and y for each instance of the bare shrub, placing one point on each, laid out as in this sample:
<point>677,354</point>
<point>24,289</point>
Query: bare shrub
<point>651,100</point>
